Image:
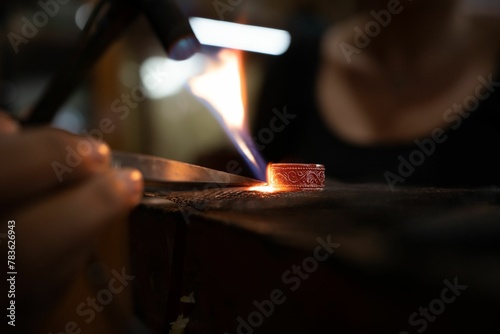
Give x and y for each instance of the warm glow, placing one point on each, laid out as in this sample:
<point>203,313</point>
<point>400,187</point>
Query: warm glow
<point>222,89</point>
<point>220,86</point>
<point>264,189</point>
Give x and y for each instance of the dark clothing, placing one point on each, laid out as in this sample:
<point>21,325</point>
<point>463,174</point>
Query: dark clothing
<point>468,156</point>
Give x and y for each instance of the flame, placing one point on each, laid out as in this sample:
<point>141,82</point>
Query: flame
<point>221,86</point>
<point>269,187</point>
<point>223,91</point>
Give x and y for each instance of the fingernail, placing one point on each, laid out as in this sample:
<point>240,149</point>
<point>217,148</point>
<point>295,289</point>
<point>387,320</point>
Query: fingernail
<point>7,124</point>
<point>100,153</point>
<point>133,184</point>
<point>184,48</point>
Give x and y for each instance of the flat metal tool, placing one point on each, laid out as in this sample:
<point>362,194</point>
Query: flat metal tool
<point>164,174</point>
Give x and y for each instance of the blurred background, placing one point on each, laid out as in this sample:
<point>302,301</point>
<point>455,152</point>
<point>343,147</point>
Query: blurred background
<point>170,123</point>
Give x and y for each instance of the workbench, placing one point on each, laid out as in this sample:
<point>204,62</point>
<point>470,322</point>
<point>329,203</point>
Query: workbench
<point>353,258</point>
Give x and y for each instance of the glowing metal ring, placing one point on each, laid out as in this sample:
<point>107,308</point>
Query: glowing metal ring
<point>296,176</point>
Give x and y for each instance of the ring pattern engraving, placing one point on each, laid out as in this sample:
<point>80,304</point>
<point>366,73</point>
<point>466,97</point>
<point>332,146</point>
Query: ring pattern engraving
<point>297,176</point>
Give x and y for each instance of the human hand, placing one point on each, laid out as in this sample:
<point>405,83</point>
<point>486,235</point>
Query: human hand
<point>58,216</point>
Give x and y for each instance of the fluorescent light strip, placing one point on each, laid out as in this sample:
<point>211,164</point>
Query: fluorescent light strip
<point>240,36</point>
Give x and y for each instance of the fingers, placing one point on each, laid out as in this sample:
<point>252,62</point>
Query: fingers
<point>56,227</point>
<point>39,160</point>
<point>7,124</point>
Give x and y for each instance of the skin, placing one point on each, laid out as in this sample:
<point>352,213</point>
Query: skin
<point>399,86</point>
<point>57,223</point>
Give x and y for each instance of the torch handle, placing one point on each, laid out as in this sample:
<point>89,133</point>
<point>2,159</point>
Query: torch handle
<point>167,20</point>
<point>89,50</point>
